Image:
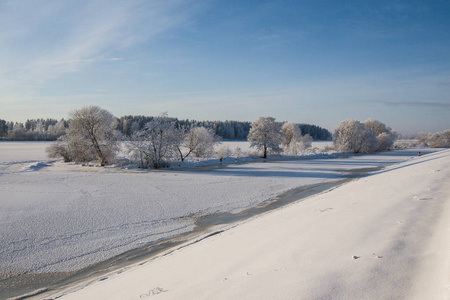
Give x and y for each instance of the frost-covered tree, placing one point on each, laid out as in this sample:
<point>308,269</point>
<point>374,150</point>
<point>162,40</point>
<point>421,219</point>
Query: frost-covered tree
<point>155,144</point>
<point>376,126</point>
<point>57,130</point>
<point>95,127</point>
<point>18,132</point>
<point>237,152</point>
<point>198,141</point>
<point>291,135</point>
<point>385,135</point>
<point>3,128</point>
<point>292,140</point>
<point>439,139</point>
<point>353,136</point>
<point>265,135</point>
<point>91,135</point>
<point>305,142</point>
<point>223,151</point>
<point>385,141</point>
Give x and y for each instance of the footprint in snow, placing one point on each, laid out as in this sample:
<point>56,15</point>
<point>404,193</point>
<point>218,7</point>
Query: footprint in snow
<point>326,209</point>
<point>153,292</point>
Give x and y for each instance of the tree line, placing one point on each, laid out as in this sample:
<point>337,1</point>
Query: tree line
<point>92,134</point>
<point>51,129</point>
<point>155,142</point>
<point>229,130</point>
<point>33,130</point>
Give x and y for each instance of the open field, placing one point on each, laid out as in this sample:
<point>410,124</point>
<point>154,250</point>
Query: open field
<point>383,236</point>
<point>59,217</point>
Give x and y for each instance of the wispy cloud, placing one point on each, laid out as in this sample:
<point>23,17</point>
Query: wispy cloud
<point>416,103</point>
<point>67,36</point>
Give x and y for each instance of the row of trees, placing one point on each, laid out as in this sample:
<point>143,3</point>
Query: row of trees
<point>33,130</point>
<point>51,129</point>
<point>267,135</point>
<point>162,141</point>
<point>350,136</point>
<point>92,135</point>
<point>231,130</point>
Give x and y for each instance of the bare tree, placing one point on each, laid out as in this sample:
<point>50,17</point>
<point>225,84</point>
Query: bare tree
<point>265,135</point>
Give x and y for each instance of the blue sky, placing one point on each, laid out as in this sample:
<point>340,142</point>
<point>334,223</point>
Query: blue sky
<point>317,62</point>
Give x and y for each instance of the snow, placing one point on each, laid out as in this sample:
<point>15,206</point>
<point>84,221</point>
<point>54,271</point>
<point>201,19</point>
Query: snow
<point>62,217</point>
<point>58,217</point>
<point>245,146</point>
<point>383,236</point>
<point>22,151</point>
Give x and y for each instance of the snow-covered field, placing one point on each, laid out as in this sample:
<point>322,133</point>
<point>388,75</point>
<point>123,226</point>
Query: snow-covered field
<point>384,236</point>
<point>13,152</point>
<point>61,217</point>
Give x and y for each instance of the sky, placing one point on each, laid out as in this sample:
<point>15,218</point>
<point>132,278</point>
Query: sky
<point>317,62</point>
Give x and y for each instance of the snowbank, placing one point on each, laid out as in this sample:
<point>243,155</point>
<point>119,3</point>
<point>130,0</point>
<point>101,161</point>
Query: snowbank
<point>384,236</point>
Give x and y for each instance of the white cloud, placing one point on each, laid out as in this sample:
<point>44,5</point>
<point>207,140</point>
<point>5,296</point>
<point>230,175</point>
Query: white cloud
<point>54,38</point>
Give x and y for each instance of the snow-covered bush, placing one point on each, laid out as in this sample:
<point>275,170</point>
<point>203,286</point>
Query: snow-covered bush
<point>223,151</point>
<point>353,136</point>
<point>367,137</point>
<point>385,141</point>
<point>238,153</point>
<point>385,135</point>
<point>60,149</point>
<point>439,139</point>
